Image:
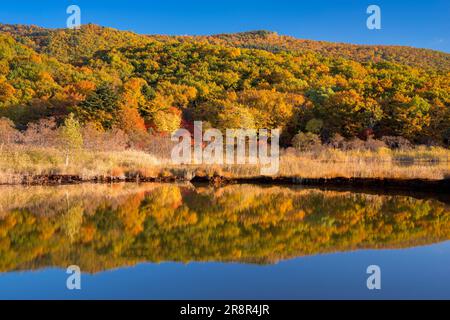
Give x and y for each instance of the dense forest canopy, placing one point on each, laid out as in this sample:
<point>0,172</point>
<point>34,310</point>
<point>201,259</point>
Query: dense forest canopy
<point>256,79</point>
<point>271,41</point>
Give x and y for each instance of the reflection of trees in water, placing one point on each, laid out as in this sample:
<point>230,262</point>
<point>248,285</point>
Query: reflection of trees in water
<point>103,226</point>
<point>72,221</point>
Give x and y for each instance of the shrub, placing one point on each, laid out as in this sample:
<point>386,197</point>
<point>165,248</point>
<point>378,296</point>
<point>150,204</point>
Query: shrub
<point>116,139</point>
<point>97,139</point>
<point>93,137</point>
<point>314,126</point>
<point>373,144</point>
<point>160,146</point>
<point>394,142</point>
<point>358,144</point>
<point>306,141</point>
<point>354,144</point>
<point>8,133</point>
<point>42,133</point>
<point>337,141</point>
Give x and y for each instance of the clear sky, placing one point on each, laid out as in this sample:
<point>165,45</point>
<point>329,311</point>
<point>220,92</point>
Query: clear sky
<point>415,23</point>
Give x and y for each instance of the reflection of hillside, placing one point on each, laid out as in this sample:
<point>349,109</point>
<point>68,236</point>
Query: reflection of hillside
<point>102,226</point>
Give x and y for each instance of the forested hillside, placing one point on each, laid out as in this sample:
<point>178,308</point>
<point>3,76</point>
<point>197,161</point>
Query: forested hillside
<point>259,79</point>
<point>271,41</point>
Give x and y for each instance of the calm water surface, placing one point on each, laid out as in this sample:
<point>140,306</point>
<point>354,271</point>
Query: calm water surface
<point>167,241</point>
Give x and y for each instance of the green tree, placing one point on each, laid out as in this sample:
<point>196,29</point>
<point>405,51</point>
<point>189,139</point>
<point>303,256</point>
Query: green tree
<point>306,141</point>
<point>314,126</point>
<point>101,106</point>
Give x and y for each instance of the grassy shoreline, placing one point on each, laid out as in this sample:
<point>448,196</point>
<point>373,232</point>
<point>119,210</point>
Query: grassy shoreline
<point>26,164</point>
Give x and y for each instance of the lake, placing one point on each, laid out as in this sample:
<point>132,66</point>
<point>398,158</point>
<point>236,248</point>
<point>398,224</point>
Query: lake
<point>179,241</point>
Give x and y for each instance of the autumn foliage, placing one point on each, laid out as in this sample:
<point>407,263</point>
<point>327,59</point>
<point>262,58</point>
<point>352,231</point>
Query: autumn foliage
<point>116,79</point>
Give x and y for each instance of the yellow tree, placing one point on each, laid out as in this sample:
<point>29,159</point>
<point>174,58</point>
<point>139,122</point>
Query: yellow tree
<point>71,138</point>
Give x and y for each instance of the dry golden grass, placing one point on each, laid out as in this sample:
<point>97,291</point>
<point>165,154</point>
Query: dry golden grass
<point>17,161</point>
<point>421,162</point>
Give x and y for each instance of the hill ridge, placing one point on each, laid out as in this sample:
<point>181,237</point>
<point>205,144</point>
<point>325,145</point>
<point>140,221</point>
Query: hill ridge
<point>46,40</point>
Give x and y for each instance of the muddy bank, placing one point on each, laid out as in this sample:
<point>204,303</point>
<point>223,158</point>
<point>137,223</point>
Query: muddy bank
<point>74,179</point>
<point>418,185</point>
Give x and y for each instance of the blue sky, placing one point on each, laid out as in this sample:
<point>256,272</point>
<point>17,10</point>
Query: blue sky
<point>415,23</point>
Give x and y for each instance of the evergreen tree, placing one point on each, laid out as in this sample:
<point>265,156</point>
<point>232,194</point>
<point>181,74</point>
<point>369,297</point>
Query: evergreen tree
<point>100,107</point>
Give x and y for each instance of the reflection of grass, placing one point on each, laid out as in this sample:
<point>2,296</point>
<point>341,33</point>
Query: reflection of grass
<point>421,162</point>
<point>99,226</point>
<point>46,201</point>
